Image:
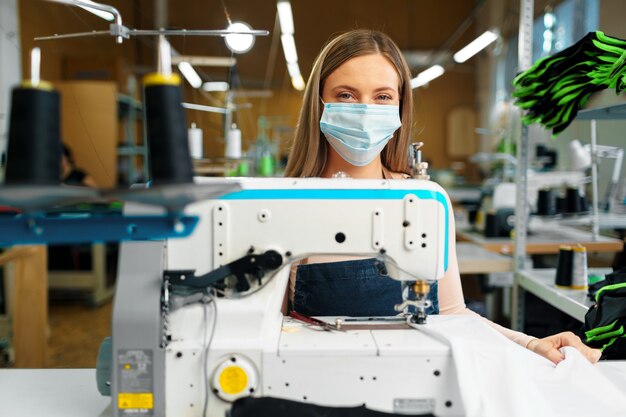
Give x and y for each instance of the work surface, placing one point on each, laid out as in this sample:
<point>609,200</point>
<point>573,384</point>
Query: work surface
<point>546,241</point>
<point>540,282</point>
<point>73,393</point>
<point>474,259</point>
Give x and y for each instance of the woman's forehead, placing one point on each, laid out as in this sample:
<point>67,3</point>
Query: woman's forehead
<point>367,71</point>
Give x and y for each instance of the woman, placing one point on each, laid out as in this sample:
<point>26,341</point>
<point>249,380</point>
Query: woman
<point>71,174</point>
<point>356,120</point>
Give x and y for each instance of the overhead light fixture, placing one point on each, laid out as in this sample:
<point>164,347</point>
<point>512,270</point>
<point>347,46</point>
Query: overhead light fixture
<point>285,17</point>
<point>210,109</point>
<point>289,48</point>
<point>475,46</point>
<point>427,76</point>
<point>190,74</point>
<point>549,19</point>
<point>239,43</point>
<point>215,86</point>
<point>293,68</point>
<point>298,82</point>
<point>84,4</point>
<point>296,77</point>
<point>251,93</point>
<point>206,61</point>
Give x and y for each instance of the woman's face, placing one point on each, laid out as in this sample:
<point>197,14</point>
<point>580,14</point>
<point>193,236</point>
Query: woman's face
<point>367,79</point>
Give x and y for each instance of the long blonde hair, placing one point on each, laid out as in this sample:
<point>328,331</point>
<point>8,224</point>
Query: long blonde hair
<point>308,152</point>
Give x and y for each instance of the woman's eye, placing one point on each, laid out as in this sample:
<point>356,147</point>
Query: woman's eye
<point>384,97</point>
<point>344,96</point>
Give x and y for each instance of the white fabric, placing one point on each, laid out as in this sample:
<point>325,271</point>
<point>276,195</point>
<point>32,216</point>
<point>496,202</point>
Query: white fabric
<point>500,378</point>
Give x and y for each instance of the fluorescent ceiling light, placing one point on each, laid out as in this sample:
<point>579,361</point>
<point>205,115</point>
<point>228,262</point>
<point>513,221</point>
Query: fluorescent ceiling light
<point>210,109</point>
<point>206,61</point>
<point>251,93</point>
<point>285,17</point>
<point>100,13</point>
<point>236,42</point>
<point>294,69</point>
<point>475,46</point>
<point>549,19</point>
<point>289,48</point>
<point>427,76</point>
<point>298,82</point>
<point>215,86</point>
<point>165,57</point>
<point>190,74</point>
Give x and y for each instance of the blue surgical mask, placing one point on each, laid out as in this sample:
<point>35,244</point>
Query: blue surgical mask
<point>359,132</point>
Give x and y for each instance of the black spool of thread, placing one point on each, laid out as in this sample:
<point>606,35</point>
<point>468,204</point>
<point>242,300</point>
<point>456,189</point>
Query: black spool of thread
<point>546,203</point>
<point>170,162</point>
<point>491,225</point>
<point>34,151</point>
<point>564,268</point>
<point>572,200</point>
<point>540,150</point>
<point>560,204</point>
<point>584,203</point>
<point>552,159</point>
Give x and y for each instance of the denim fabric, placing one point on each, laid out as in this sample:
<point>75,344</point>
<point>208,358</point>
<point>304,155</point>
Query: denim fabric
<point>350,288</point>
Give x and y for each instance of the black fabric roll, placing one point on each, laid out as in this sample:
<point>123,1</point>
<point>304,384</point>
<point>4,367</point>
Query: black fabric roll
<point>34,151</point>
<point>278,407</point>
<point>170,162</point>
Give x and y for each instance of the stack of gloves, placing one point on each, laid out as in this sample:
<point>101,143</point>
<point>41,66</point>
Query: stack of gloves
<point>556,87</point>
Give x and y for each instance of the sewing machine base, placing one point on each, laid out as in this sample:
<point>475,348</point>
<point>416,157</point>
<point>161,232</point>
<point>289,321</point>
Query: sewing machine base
<point>381,366</point>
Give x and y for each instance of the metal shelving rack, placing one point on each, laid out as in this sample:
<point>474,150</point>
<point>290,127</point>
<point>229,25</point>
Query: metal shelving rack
<point>525,50</point>
<point>130,111</point>
<point>613,112</point>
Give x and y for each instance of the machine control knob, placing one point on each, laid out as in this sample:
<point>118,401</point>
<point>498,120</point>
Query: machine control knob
<point>234,377</point>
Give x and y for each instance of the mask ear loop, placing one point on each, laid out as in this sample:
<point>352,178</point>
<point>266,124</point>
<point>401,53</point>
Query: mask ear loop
<point>324,142</point>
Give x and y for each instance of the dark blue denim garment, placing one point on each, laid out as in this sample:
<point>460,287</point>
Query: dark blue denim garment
<point>350,288</point>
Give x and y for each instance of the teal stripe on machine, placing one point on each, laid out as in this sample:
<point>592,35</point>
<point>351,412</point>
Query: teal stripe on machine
<point>338,194</point>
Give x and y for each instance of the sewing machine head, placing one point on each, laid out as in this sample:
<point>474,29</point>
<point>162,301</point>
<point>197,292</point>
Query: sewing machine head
<point>247,236</point>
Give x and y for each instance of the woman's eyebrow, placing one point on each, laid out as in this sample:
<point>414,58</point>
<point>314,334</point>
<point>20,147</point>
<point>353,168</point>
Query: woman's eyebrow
<point>395,90</point>
<point>376,90</point>
<point>344,87</point>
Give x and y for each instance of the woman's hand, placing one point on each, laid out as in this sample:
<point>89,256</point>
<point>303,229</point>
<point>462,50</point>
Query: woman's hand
<point>548,347</point>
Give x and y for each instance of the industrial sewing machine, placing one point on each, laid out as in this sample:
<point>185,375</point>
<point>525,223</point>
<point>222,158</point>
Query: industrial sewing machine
<point>197,322</point>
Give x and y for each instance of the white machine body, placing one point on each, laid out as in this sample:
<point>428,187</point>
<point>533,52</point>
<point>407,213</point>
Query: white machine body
<point>242,345</point>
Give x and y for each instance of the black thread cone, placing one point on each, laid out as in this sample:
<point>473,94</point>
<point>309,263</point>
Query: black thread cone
<point>170,162</point>
<point>34,151</point>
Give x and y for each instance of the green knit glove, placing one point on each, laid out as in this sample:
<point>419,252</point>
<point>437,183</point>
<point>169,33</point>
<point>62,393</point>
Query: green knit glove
<point>556,87</point>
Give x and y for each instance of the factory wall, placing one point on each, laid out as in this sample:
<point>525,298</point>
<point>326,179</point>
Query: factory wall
<point>99,58</point>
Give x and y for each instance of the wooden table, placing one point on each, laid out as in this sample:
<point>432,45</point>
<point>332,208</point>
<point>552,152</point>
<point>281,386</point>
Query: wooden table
<point>543,242</point>
<point>27,302</point>
<point>474,259</point>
